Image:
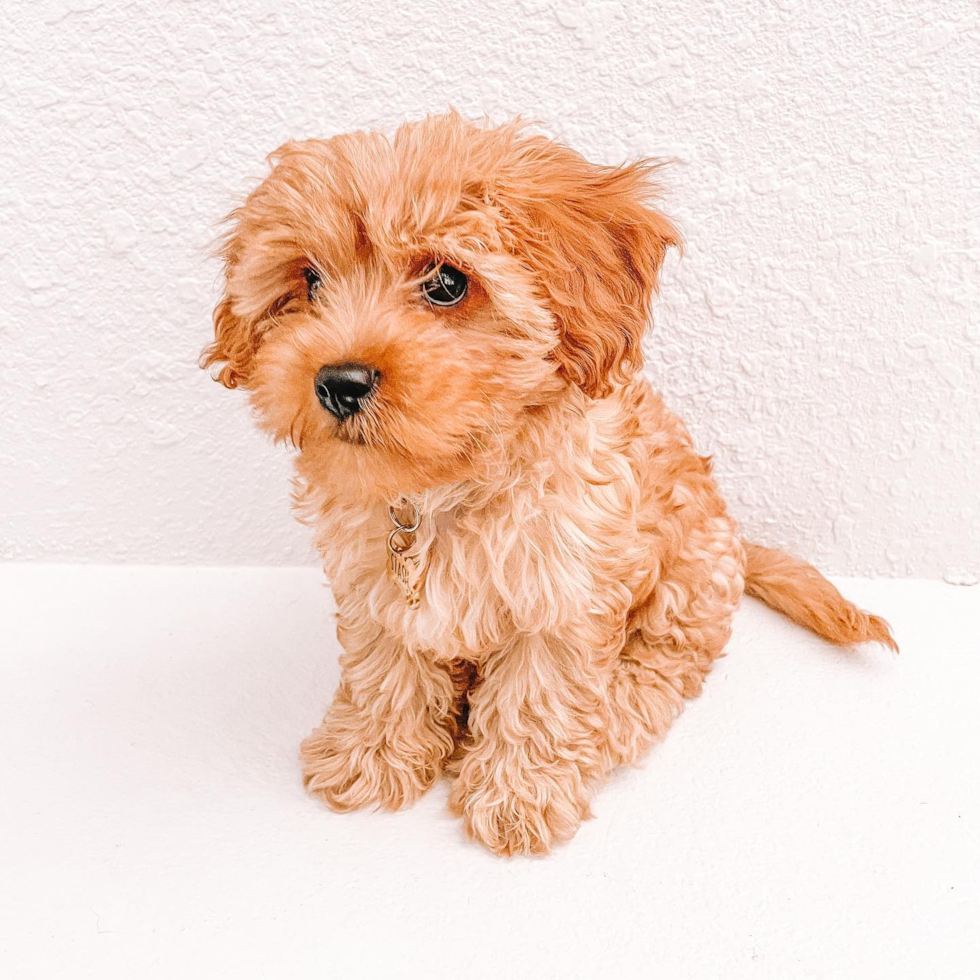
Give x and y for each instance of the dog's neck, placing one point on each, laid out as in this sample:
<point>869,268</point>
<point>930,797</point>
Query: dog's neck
<point>531,450</point>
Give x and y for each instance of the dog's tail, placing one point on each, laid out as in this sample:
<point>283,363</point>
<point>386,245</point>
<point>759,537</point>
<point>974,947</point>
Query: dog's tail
<point>799,591</point>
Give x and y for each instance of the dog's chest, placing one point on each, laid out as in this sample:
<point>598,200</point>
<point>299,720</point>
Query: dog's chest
<point>479,581</point>
<point>543,555</point>
<point>484,578</point>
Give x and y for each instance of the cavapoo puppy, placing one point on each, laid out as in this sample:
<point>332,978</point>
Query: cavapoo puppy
<point>533,566</point>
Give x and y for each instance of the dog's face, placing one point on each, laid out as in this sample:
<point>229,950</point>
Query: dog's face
<point>399,308</point>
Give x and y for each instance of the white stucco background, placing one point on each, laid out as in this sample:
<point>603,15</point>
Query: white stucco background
<point>821,334</point>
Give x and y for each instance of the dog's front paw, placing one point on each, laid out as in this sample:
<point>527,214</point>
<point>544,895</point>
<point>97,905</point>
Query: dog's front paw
<point>351,770</point>
<point>518,811</point>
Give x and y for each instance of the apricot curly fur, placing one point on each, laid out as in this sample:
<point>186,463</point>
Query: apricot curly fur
<point>581,568</point>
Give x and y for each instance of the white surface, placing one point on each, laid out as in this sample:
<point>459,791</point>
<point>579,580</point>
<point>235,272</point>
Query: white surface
<point>820,335</point>
<point>813,815</point>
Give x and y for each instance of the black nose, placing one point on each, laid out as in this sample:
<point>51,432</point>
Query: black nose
<point>343,388</point>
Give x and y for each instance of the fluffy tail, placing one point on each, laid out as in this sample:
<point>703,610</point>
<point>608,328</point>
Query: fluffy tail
<point>799,591</point>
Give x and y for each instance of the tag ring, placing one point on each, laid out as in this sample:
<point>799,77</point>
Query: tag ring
<point>408,528</point>
<point>394,548</point>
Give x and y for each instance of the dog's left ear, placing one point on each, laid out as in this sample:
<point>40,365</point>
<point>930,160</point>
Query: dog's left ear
<point>596,244</point>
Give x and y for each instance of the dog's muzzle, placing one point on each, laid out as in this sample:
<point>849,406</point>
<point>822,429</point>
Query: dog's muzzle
<point>342,389</point>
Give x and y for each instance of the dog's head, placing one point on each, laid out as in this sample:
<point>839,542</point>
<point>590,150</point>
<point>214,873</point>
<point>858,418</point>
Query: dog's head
<point>399,308</point>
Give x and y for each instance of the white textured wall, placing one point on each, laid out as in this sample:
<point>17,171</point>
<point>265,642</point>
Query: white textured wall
<point>821,335</point>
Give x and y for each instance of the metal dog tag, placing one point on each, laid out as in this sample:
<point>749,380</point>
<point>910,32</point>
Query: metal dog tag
<point>406,571</point>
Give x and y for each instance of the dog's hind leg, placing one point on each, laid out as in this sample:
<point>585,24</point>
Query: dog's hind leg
<point>674,638</point>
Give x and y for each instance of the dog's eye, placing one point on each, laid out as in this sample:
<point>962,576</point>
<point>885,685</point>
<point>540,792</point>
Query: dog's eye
<point>313,281</point>
<point>445,287</point>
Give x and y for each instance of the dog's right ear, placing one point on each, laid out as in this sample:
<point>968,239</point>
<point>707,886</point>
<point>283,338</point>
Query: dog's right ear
<point>235,341</point>
<point>232,344</point>
<point>261,254</point>
<point>266,247</point>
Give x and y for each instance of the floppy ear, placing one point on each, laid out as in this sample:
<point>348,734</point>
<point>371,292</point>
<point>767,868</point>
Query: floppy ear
<point>260,246</point>
<point>230,344</point>
<point>235,340</point>
<point>596,245</point>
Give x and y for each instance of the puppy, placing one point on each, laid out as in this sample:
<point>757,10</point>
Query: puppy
<point>533,567</point>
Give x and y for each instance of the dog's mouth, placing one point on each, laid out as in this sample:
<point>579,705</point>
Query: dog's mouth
<point>352,433</point>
